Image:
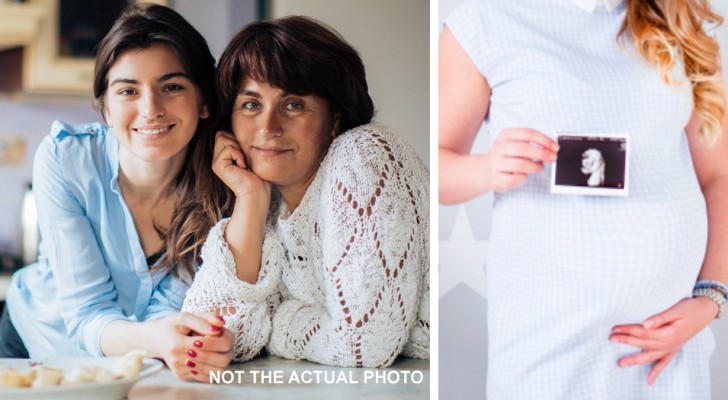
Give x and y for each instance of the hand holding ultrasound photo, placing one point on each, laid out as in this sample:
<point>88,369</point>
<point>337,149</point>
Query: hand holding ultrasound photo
<point>591,164</point>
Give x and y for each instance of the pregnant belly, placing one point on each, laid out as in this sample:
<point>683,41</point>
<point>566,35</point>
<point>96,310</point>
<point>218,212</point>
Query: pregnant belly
<point>611,256</point>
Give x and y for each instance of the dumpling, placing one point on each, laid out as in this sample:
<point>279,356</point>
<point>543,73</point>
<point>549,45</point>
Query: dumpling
<point>81,375</point>
<point>46,376</point>
<point>12,378</point>
<point>106,376</point>
<point>130,365</point>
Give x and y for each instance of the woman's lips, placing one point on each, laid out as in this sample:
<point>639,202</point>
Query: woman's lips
<point>270,151</point>
<point>153,132</point>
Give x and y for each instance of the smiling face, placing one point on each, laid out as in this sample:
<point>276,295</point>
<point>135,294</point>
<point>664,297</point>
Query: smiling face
<point>152,104</point>
<point>284,136</point>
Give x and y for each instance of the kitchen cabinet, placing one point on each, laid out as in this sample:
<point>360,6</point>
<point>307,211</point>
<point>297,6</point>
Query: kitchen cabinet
<point>19,23</point>
<point>58,38</point>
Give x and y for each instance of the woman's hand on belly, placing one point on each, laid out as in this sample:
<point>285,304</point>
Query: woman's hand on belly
<point>662,335</point>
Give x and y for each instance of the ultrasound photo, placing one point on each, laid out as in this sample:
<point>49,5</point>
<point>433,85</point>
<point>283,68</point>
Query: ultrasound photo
<point>589,164</point>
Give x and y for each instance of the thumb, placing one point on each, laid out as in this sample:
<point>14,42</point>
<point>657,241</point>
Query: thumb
<point>199,324</point>
<point>663,318</point>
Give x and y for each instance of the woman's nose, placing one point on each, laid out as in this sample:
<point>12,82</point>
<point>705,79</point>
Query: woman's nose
<point>271,124</point>
<point>152,107</point>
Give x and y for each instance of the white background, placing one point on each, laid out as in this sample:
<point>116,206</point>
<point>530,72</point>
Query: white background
<point>463,234</point>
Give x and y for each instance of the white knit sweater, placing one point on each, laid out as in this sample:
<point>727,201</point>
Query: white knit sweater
<point>344,280</point>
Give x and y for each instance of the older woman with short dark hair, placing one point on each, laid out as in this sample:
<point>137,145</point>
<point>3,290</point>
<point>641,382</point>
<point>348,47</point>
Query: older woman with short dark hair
<point>326,254</point>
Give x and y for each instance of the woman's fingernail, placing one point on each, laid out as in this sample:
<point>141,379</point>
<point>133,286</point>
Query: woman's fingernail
<point>193,372</point>
<point>220,318</point>
<point>191,353</point>
<point>190,364</point>
<point>214,328</point>
<point>197,343</point>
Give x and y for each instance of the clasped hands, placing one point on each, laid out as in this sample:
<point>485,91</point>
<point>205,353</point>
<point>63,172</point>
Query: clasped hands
<point>193,346</point>
<point>662,335</point>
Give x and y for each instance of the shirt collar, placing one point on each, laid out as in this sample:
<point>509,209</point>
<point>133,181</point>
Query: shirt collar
<point>590,5</point>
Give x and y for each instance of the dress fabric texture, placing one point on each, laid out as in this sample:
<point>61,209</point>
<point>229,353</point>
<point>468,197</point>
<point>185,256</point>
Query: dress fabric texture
<point>91,269</point>
<point>344,279</point>
<point>564,269</point>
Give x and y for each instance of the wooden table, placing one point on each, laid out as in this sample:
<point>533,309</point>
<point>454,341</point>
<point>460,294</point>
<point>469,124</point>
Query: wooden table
<point>270,377</point>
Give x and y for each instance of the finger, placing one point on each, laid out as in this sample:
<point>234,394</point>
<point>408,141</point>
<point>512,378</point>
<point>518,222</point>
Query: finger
<point>212,358</point>
<point>197,324</point>
<point>530,135</point>
<point>645,344</point>
<point>662,319</point>
<point>631,329</point>
<point>217,320</point>
<point>519,166</point>
<point>641,358</point>
<point>201,371</point>
<point>183,373</point>
<point>224,134</point>
<point>676,312</point>
<point>223,139</point>
<point>528,151</point>
<point>221,343</point>
<point>214,318</point>
<point>658,367</point>
<point>229,157</point>
<point>179,368</point>
<point>224,144</point>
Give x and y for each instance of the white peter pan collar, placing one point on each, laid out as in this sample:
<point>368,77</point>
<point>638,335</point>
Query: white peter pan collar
<point>590,5</point>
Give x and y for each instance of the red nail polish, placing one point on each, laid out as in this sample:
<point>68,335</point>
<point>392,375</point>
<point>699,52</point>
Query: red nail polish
<point>190,364</point>
<point>193,372</point>
<point>197,343</point>
<point>214,328</point>
<point>191,353</point>
<point>220,318</point>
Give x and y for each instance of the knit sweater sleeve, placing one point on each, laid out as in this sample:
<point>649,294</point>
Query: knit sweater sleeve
<point>373,230</point>
<point>246,307</point>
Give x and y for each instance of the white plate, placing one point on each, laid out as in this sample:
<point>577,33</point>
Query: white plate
<point>96,390</point>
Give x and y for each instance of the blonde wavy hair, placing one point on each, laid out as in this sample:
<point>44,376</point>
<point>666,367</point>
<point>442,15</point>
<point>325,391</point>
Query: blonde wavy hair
<point>659,26</point>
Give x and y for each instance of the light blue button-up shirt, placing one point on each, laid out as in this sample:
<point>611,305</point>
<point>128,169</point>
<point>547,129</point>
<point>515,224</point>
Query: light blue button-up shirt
<point>91,269</point>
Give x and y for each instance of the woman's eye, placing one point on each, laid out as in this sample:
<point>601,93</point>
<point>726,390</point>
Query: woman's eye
<point>173,87</point>
<point>250,105</point>
<point>295,105</point>
<point>126,92</point>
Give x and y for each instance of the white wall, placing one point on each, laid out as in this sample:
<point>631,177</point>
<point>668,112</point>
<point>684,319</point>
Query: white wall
<point>217,24</point>
<point>463,235</point>
<point>392,38</point>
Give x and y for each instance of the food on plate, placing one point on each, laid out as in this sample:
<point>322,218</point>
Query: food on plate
<point>12,378</point>
<point>46,376</point>
<point>127,367</point>
<point>130,365</point>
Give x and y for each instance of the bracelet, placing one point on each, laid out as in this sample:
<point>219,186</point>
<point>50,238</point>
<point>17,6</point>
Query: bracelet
<point>712,284</point>
<point>713,294</point>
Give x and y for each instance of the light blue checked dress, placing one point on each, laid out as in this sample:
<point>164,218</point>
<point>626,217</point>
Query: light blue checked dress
<point>563,270</point>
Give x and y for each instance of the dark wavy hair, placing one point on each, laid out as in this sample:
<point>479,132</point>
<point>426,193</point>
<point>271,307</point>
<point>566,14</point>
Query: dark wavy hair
<point>298,55</point>
<point>141,26</point>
